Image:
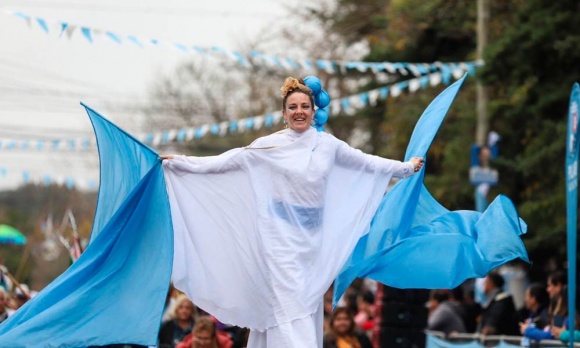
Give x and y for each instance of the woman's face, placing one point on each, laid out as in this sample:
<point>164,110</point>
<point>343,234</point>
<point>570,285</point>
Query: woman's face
<point>184,311</point>
<point>553,289</point>
<point>341,324</point>
<point>298,112</point>
<point>202,339</point>
<point>529,300</point>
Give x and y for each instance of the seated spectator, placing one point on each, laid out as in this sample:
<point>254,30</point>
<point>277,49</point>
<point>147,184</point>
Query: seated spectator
<point>499,314</point>
<point>556,281</point>
<point>470,310</point>
<point>342,332</point>
<point>444,315</point>
<point>558,312</point>
<point>182,314</point>
<point>206,335</point>
<point>535,307</point>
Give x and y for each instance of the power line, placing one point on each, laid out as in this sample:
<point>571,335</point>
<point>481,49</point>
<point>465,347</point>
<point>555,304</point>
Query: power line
<point>36,72</point>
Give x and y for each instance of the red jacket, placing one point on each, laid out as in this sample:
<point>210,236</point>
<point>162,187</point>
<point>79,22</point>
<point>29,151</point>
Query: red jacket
<point>224,341</point>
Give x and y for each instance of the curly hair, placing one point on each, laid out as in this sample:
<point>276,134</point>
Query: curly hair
<point>292,85</point>
<point>181,298</point>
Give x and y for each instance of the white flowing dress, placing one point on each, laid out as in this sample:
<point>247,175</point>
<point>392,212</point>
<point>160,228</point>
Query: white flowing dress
<point>262,231</point>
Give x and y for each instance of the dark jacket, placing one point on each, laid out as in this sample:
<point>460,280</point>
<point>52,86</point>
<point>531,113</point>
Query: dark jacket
<point>167,337</point>
<point>500,315</point>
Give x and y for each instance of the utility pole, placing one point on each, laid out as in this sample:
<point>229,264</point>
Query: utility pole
<point>482,30</point>
<point>481,130</point>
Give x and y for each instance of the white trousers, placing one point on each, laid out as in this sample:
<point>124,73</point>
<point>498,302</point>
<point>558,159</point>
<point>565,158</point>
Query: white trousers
<point>300,333</point>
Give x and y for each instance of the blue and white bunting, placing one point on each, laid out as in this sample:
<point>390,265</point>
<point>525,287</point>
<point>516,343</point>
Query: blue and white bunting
<point>338,106</point>
<point>256,58</point>
<point>45,179</point>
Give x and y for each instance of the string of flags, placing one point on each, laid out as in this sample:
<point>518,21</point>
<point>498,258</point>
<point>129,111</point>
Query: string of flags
<point>347,106</point>
<point>425,74</point>
<point>26,177</point>
<point>93,35</point>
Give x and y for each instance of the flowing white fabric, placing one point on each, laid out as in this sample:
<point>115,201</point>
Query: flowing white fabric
<point>262,231</point>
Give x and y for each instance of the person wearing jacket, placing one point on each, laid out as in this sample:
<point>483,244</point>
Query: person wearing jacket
<point>206,335</point>
<point>342,331</point>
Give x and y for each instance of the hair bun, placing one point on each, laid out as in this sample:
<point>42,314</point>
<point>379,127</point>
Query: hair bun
<point>290,84</point>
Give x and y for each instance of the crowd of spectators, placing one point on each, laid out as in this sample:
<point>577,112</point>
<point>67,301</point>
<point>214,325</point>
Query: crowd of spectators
<point>353,322</point>
<point>544,315</point>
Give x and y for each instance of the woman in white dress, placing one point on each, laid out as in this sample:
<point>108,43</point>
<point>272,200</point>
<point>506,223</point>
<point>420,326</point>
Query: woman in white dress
<point>267,228</point>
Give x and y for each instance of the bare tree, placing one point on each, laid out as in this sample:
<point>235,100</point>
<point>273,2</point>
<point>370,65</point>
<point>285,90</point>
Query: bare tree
<point>216,90</point>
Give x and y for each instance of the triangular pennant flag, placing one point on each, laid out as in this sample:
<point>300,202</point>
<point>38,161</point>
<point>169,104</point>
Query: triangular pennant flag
<point>114,37</point>
<point>63,27</point>
<point>87,34</point>
<point>42,23</point>
<point>134,40</point>
<point>25,17</point>
<point>414,85</point>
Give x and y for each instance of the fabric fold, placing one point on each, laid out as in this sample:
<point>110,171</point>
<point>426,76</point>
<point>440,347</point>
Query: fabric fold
<point>124,274</point>
<point>415,242</point>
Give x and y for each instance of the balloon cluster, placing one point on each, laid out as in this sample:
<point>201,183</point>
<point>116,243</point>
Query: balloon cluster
<point>321,100</point>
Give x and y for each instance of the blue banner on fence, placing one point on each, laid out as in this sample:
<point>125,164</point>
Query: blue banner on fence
<point>572,198</point>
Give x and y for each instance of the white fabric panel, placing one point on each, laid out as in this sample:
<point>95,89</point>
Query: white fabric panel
<point>261,232</point>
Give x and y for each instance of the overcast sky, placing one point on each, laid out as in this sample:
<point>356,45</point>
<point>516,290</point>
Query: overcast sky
<point>44,76</point>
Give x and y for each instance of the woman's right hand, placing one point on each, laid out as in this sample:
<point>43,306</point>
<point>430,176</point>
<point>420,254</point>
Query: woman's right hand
<point>167,157</point>
<point>417,163</point>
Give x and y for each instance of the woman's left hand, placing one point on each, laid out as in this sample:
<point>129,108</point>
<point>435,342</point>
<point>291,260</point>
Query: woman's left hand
<point>417,163</point>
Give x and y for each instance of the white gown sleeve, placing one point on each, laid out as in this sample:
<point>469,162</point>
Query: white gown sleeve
<point>349,157</point>
<point>226,162</point>
<point>194,159</point>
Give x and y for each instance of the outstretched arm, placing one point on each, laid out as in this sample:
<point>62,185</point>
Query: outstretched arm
<point>353,158</point>
<point>228,161</point>
<point>189,159</point>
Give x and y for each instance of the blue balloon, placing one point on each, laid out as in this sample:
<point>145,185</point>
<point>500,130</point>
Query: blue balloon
<point>320,117</point>
<point>322,99</point>
<point>313,83</point>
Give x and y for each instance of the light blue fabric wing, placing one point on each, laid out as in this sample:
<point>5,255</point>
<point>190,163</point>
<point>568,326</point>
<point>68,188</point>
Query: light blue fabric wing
<point>124,162</point>
<point>115,292</point>
<point>414,242</point>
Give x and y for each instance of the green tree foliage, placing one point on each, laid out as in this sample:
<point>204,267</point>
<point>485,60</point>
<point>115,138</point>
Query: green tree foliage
<point>530,70</point>
<point>531,64</point>
<point>416,31</point>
